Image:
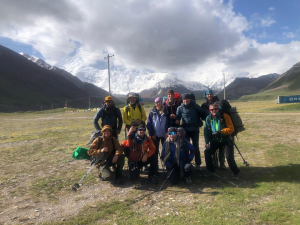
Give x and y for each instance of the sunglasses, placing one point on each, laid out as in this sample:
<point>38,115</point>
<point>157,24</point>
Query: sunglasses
<point>142,129</point>
<point>214,109</point>
<point>172,133</point>
<point>157,102</point>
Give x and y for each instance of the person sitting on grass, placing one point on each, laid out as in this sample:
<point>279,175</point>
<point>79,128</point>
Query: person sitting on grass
<point>217,130</point>
<point>108,147</point>
<point>140,150</point>
<point>177,154</point>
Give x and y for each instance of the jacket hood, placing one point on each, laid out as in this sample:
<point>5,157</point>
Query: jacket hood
<point>105,128</point>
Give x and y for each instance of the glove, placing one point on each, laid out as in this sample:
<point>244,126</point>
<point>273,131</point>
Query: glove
<point>216,134</point>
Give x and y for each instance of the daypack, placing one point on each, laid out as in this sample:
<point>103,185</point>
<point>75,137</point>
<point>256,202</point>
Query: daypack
<point>234,116</point>
<point>200,122</point>
<point>94,135</point>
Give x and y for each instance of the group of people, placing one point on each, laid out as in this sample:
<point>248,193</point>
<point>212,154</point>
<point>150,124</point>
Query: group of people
<point>174,124</point>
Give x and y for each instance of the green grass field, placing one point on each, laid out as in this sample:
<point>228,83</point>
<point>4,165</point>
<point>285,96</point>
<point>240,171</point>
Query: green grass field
<point>37,173</point>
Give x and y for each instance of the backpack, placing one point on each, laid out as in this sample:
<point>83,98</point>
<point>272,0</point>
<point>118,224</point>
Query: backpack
<point>233,114</point>
<point>200,122</point>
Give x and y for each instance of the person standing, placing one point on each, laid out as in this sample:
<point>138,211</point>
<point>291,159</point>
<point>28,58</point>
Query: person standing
<point>190,113</point>
<point>171,105</point>
<point>133,113</point>
<point>157,125</point>
<point>217,130</point>
<point>210,99</point>
<point>109,115</point>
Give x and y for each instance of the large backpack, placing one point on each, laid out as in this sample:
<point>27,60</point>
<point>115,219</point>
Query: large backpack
<point>225,107</point>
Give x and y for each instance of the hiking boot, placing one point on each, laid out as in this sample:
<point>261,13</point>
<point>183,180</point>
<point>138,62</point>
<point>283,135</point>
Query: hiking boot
<point>152,180</point>
<point>198,168</point>
<point>101,178</point>
<point>146,168</point>
<point>222,167</point>
<point>188,180</point>
<point>236,177</point>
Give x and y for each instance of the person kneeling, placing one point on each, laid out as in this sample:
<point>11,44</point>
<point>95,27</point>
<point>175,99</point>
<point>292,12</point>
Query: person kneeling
<point>140,151</point>
<point>177,154</point>
<point>108,148</point>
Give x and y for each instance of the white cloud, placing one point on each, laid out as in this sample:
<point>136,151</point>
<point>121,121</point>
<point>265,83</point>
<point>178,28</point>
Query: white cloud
<point>288,34</point>
<point>267,22</point>
<point>271,8</point>
<point>195,38</point>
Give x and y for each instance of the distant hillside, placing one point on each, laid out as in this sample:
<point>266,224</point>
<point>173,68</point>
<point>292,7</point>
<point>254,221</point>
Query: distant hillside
<point>289,80</point>
<point>286,84</point>
<point>246,86</point>
<point>26,86</point>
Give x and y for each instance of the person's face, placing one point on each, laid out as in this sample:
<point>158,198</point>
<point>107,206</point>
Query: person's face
<point>132,100</point>
<point>109,102</point>
<point>214,110</point>
<point>107,133</point>
<point>158,105</point>
<point>172,135</point>
<point>186,101</point>
<point>141,132</point>
<point>171,97</point>
<point>209,97</point>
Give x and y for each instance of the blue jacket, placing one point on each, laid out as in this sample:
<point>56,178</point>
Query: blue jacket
<point>186,153</point>
<point>109,116</point>
<point>157,124</point>
<point>190,115</point>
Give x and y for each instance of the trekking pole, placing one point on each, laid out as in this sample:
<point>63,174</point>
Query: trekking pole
<point>152,202</point>
<point>245,162</point>
<point>162,164</point>
<point>100,158</point>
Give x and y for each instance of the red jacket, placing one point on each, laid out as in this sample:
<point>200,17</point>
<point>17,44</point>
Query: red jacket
<point>137,151</point>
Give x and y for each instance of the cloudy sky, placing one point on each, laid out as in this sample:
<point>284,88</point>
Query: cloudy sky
<point>192,37</point>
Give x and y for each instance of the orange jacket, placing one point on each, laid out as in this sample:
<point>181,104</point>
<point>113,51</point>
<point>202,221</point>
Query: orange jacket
<point>137,151</point>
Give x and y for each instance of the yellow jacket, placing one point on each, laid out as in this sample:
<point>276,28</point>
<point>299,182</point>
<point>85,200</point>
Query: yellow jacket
<point>133,114</point>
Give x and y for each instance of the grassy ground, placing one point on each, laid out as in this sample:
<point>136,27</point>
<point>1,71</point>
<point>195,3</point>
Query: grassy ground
<point>37,173</point>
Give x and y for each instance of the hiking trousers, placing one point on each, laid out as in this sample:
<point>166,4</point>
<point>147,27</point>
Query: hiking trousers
<point>156,144</point>
<point>135,167</point>
<point>104,169</point>
<point>194,135</point>
<point>229,153</point>
<point>179,171</point>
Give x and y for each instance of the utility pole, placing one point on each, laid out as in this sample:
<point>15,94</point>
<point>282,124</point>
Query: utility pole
<point>224,85</point>
<point>108,56</point>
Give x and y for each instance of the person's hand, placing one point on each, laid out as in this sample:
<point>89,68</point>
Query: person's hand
<point>105,149</point>
<point>118,132</point>
<point>177,122</point>
<point>172,116</point>
<point>206,146</point>
<point>154,137</point>
<point>132,129</point>
<point>139,121</point>
<point>115,159</point>
<point>145,157</point>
